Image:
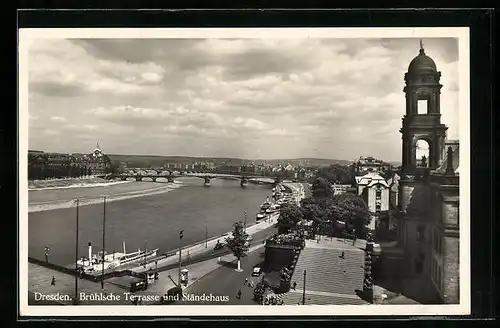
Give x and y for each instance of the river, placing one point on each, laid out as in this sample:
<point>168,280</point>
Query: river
<point>151,221</point>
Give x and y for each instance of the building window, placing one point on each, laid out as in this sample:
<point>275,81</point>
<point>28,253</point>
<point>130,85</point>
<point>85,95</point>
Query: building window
<point>379,194</point>
<point>420,233</point>
<point>422,106</point>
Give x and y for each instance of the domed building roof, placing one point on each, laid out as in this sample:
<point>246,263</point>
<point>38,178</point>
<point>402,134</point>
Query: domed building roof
<point>422,63</point>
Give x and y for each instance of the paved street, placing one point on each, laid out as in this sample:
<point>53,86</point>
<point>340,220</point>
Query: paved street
<point>226,281</point>
<point>198,266</point>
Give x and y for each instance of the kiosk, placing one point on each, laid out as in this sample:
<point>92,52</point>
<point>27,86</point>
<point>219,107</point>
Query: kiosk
<point>184,276</point>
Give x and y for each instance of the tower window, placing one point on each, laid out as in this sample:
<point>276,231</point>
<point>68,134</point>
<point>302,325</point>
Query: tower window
<point>422,106</point>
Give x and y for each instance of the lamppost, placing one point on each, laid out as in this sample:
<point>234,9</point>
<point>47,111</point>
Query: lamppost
<point>47,250</point>
<point>181,234</point>
<point>145,252</point>
<point>304,290</point>
<point>206,236</point>
<point>103,242</point>
<point>76,252</point>
<point>246,214</point>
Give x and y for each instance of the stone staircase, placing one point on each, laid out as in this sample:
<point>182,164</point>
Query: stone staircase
<point>328,272</point>
<point>293,298</point>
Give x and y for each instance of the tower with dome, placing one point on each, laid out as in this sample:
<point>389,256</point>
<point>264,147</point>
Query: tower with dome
<point>428,205</point>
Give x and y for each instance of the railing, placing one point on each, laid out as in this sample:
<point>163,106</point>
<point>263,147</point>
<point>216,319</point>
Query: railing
<point>86,276</point>
<point>285,284</point>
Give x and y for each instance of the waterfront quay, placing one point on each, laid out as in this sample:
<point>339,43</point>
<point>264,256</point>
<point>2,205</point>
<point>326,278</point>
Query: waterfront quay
<point>199,258</point>
<point>200,261</point>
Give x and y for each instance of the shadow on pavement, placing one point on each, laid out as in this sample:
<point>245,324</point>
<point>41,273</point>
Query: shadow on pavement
<point>233,265</point>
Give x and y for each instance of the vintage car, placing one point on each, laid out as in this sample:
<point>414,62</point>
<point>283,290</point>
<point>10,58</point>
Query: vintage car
<point>256,271</point>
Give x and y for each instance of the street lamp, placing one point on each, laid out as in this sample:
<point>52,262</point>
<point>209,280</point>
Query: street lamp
<point>181,234</point>
<point>304,290</point>
<point>206,236</point>
<point>246,214</point>
<point>47,250</point>
<point>76,252</point>
<point>103,242</point>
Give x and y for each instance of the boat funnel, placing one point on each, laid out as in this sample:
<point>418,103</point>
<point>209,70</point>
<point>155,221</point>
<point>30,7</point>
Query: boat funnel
<point>90,251</point>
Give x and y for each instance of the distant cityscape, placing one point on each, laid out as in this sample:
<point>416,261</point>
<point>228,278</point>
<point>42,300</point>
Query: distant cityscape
<point>43,165</point>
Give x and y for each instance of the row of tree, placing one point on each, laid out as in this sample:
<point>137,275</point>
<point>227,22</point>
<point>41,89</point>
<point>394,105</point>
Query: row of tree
<point>336,173</point>
<point>329,213</point>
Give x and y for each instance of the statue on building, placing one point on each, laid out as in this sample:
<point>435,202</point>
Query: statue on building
<point>423,161</point>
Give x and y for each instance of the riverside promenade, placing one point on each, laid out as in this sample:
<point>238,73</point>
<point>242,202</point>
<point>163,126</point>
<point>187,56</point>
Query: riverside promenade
<point>202,247</point>
<point>116,290</point>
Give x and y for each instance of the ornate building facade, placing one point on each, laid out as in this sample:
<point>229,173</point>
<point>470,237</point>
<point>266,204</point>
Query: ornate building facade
<point>375,192</point>
<point>98,162</point>
<point>428,205</point>
<point>43,165</point>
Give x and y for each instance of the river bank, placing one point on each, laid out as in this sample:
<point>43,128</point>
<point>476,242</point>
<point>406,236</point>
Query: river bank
<point>111,196</point>
<point>34,185</point>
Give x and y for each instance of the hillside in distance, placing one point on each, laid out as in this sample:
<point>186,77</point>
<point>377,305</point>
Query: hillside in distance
<point>159,161</point>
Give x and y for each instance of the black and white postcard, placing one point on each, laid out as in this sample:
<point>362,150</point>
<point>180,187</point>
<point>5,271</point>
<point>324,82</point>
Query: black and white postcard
<point>221,172</point>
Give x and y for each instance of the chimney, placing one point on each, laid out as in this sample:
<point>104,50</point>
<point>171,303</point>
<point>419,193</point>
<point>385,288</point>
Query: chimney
<point>449,162</point>
<point>90,251</point>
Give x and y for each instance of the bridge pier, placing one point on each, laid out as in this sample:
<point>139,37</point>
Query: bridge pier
<point>154,179</point>
<point>138,178</point>
<point>123,178</point>
<point>207,181</point>
<point>244,182</point>
<point>170,179</point>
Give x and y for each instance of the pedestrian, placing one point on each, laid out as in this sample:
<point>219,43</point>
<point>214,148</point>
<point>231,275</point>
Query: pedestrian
<point>246,281</point>
<point>294,285</point>
<point>53,283</point>
<point>239,294</point>
<point>342,256</point>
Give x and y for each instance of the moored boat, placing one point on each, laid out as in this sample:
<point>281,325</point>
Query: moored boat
<point>94,262</point>
<point>261,216</point>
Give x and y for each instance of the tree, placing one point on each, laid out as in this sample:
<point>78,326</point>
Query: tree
<point>238,242</point>
<point>113,167</point>
<point>322,188</point>
<point>336,173</point>
<point>290,215</point>
<point>319,210</point>
<point>353,210</point>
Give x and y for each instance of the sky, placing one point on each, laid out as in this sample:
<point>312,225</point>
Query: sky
<point>245,98</point>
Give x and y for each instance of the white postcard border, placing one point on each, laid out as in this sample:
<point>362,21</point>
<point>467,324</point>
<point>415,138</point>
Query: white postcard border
<point>461,33</point>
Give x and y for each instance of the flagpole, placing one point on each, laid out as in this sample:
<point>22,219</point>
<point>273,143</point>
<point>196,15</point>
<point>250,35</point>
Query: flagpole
<point>103,242</point>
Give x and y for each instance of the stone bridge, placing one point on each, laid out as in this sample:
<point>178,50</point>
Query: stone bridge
<point>170,175</point>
